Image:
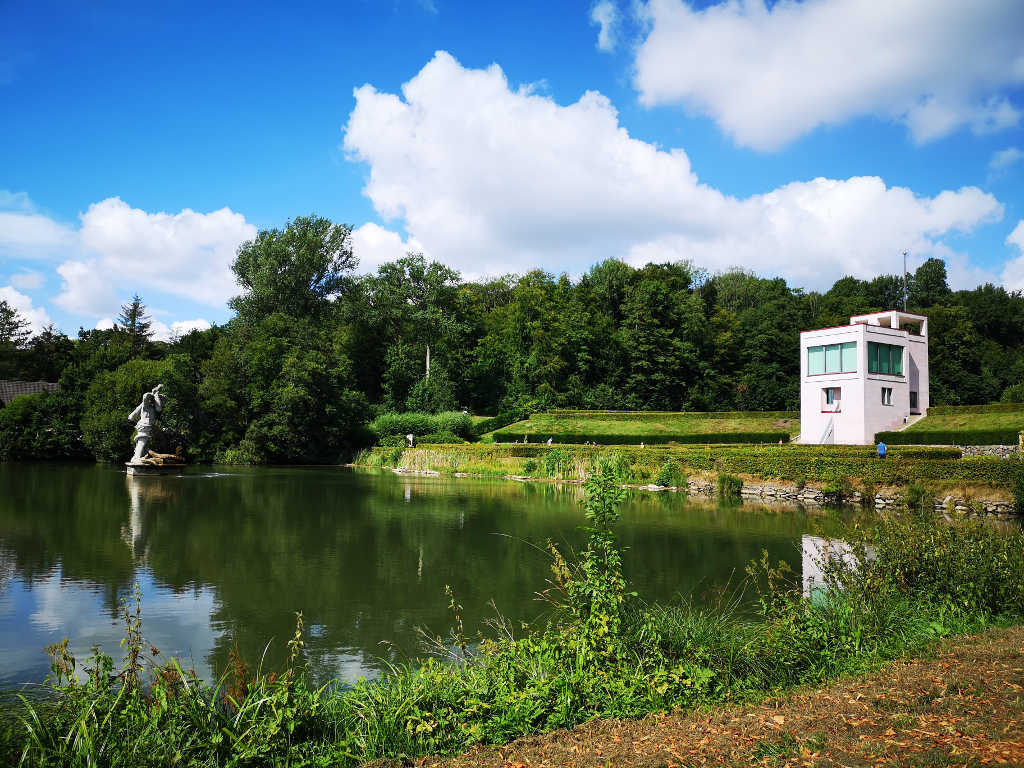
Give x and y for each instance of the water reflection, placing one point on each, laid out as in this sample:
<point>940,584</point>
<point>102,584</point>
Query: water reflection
<point>228,557</point>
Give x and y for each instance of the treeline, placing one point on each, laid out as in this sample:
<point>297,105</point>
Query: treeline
<point>314,351</point>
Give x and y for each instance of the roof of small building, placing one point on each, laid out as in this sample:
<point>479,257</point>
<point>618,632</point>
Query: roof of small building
<point>11,389</point>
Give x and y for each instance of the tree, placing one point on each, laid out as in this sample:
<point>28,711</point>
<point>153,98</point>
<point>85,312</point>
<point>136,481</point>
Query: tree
<point>134,321</point>
<point>14,329</point>
<point>297,270</point>
<point>929,286</point>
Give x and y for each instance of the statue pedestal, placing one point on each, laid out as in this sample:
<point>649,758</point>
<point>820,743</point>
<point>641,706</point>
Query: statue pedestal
<point>152,469</point>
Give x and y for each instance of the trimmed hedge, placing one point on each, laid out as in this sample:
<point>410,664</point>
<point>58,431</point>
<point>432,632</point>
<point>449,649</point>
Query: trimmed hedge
<point>508,436</point>
<point>953,410</point>
<point>497,422</point>
<point>951,437</point>
<point>642,415</point>
<point>420,424</point>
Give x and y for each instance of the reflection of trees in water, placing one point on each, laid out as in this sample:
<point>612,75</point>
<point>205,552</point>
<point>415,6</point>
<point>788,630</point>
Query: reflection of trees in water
<point>366,556</point>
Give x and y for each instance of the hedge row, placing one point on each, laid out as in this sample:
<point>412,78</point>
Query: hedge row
<point>419,424</point>
<point>641,415</point>
<point>990,408</point>
<point>951,437</point>
<point>509,436</point>
<point>497,422</point>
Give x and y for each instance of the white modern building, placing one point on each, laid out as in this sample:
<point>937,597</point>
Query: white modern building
<point>866,377</point>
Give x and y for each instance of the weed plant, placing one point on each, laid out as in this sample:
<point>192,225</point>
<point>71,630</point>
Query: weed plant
<point>600,652</point>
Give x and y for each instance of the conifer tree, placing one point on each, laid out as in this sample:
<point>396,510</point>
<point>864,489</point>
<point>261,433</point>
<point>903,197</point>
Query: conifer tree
<point>134,321</point>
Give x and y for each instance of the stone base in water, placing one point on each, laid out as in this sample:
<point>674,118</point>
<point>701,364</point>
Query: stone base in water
<point>152,469</point>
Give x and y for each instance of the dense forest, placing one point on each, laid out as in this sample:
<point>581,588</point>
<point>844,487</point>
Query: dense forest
<point>315,350</point>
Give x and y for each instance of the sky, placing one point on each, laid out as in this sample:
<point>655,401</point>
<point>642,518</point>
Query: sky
<point>141,144</point>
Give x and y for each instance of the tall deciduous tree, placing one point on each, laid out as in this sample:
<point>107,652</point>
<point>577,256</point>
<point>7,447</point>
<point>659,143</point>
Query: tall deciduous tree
<point>296,270</point>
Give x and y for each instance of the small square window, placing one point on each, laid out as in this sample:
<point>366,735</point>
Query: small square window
<point>886,395</point>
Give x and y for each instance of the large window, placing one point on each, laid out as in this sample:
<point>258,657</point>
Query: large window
<point>832,358</point>
<point>885,358</point>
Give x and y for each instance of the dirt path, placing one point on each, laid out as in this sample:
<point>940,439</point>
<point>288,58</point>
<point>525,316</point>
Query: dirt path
<point>963,708</point>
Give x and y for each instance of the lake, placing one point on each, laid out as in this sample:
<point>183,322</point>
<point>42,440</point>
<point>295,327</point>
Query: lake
<point>225,557</point>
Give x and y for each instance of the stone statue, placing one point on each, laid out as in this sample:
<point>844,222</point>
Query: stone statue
<point>145,419</point>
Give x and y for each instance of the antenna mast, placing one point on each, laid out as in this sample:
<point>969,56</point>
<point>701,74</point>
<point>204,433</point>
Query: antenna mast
<point>905,281</point>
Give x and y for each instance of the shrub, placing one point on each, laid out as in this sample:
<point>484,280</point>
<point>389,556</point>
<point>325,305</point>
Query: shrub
<point>530,466</point>
<point>556,462</point>
<point>393,441</point>
<point>432,394</point>
<point>420,424</point>
<point>729,486</point>
<point>918,498</point>
<point>670,475</point>
<point>497,422</point>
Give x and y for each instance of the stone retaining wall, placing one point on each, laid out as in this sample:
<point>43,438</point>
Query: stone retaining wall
<point>1002,451</point>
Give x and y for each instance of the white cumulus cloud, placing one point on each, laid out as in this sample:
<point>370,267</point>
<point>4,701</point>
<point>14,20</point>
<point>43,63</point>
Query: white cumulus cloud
<point>186,254</point>
<point>1013,273</point>
<point>492,179</point>
<point>769,75</point>
<point>605,16</point>
<point>37,317</point>
<point>374,245</point>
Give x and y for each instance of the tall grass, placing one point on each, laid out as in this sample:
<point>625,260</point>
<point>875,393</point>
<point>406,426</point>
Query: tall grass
<point>600,652</point>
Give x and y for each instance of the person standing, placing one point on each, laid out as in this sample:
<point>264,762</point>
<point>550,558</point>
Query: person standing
<point>882,448</point>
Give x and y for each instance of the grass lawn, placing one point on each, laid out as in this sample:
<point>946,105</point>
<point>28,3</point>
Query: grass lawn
<point>651,424</point>
<point>1003,416</point>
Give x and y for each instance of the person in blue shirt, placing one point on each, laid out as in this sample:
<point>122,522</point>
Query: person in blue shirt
<point>881,449</point>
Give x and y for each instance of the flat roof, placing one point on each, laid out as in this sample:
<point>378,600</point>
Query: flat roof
<point>889,312</point>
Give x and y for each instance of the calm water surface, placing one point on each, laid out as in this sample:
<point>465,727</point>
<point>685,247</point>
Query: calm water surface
<point>226,557</point>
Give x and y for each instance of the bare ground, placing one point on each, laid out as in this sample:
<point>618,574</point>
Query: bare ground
<point>964,707</point>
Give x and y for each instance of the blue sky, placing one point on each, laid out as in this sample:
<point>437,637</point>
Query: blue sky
<point>141,145</point>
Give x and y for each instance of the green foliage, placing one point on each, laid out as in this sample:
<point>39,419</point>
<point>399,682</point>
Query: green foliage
<point>294,271</point>
<point>670,475</point>
<point>440,438</point>
<point>39,427</point>
<point>728,486</point>
<point>420,424</point>
<point>918,498</point>
<point>1018,490</point>
<point>557,462</point>
<point>432,394</point>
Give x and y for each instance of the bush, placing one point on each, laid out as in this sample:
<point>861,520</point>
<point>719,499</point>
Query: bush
<point>432,394</point>
<point>918,498</point>
<point>497,422</point>
<point>530,466</point>
<point>420,424</point>
<point>729,486</point>
<point>556,462</point>
<point>1018,492</point>
<point>393,441</point>
<point>670,475</point>
<point>40,427</point>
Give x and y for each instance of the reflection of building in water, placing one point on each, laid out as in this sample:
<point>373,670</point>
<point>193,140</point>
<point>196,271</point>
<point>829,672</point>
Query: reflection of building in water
<point>142,490</point>
<point>816,554</point>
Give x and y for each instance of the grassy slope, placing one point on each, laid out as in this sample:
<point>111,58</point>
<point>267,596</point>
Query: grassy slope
<point>641,424</point>
<point>970,418</point>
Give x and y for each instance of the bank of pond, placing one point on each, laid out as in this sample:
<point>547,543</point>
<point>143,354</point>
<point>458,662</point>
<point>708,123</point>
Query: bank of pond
<point>595,648</point>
